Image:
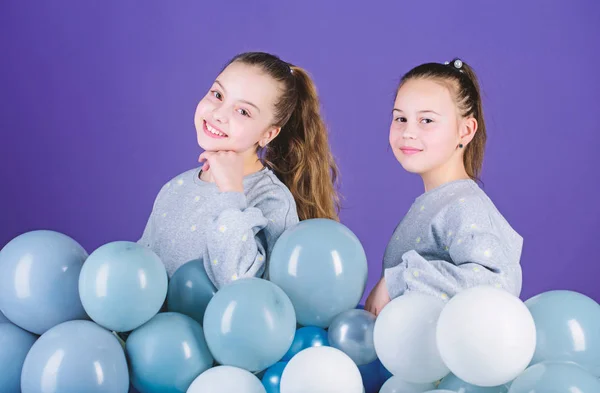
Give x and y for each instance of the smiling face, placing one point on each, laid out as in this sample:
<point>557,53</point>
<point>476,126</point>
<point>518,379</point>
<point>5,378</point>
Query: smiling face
<point>427,128</point>
<point>237,113</point>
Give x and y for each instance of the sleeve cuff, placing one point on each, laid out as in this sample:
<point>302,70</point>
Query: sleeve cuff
<point>394,281</point>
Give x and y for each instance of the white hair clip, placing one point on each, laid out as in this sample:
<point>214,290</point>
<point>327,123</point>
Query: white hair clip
<point>458,64</point>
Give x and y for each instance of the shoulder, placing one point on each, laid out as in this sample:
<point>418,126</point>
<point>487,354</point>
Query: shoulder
<point>267,188</point>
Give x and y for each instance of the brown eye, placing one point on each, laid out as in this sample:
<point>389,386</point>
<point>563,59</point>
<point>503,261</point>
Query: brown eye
<point>217,95</point>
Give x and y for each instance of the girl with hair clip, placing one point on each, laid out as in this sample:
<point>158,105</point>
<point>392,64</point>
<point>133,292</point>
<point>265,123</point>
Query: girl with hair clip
<point>266,165</point>
<point>453,237</point>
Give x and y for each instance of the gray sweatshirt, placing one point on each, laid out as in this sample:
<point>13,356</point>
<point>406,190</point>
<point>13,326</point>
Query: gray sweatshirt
<point>451,239</point>
<point>232,232</point>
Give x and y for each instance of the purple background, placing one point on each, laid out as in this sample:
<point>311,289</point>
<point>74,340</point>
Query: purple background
<point>97,103</point>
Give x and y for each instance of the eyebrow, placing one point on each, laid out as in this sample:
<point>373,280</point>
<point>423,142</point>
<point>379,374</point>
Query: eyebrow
<point>244,101</point>
<point>424,111</point>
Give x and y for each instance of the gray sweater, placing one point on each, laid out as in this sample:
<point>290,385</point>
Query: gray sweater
<point>451,239</point>
<point>232,232</point>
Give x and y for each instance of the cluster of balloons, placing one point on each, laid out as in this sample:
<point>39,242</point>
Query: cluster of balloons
<point>111,321</point>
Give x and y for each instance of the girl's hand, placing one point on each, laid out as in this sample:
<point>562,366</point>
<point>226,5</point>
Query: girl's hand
<point>378,298</point>
<point>225,168</point>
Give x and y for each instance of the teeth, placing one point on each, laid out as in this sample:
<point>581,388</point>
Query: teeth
<point>213,131</point>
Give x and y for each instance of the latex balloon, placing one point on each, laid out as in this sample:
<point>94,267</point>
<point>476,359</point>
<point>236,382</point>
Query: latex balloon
<point>15,343</point>
<point>122,285</point>
<point>405,338</point>
<point>352,333</point>
<point>226,379</point>
<point>190,290</point>
<point>396,385</point>
<point>321,265</point>
<point>555,377</point>
<point>39,275</point>
<point>306,337</point>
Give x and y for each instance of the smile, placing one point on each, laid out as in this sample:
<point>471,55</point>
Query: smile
<point>212,131</point>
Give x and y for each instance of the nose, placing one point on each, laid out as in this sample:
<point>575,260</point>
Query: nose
<point>409,132</point>
<point>219,115</point>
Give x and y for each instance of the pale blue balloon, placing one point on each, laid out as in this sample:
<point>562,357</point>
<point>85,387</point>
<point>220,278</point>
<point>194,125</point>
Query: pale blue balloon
<point>39,274</point>
<point>14,346</point>
<point>76,357</point>
<point>122,285</point>
<point>352,333</point>
<point>250,324</point>
<point>167,353</point>
<point>567,328</point>
<point>452,382</point>
<point>306,337</point>
<point>321,265</point>
<point>190,290</point>
<point>555,377</point>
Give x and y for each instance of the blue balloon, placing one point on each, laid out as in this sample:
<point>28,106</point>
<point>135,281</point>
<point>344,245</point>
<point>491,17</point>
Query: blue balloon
<point>39,272</point>
<point>306,337</point>
<point>250,324</point>
<point>272,377</point>
<point>384,373</point>
<point>452,382</point>
<point>567,328</point>
<point>555,377</point>
<point>14,346</point>
<point>75,356</point>
<point>322,267</point>
<point>372,378</point>
<point>352,333</point>
<point>167,353</point>
<point>190,290</point>
<point>122,285</point>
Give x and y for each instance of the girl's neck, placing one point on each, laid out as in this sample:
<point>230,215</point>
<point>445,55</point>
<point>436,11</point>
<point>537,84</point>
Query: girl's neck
<point>252,164</point>
<point>440,176</point>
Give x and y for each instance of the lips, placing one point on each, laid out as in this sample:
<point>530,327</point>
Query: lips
<point>213,131</point>
<point>409,150</point>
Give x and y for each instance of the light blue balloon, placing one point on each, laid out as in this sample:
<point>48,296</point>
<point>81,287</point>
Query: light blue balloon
<point>39,272</point>
<point>190,290</point>
<point>271,380</point>
<point>555,377</point>
<point>250,324</point>
<point>75,357</point>
<point>14,346</point>
<point>452,382</point>
<point>567,329</point>
<point>122,285</point>
<point>306,337</point>
<point>321,265</point>
<point>167,353</point>
<point>352,333</point>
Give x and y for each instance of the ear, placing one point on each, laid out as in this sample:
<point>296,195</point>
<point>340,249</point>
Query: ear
<point>268,136</point>
<point>467,130</point>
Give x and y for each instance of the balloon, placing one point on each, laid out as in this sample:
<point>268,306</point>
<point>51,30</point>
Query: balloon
<point>405,338</point>
<point>250,324</point>
<point>75,356</point>
<point>352,333</point>
<point>167,353</point>
<point>486,336</point>
<point>567,328</point>
<point>452,382</point>
<point>122,285</point>
<point>14,346</point>
<point>226,379</point>
<point>306,337</point>
<point>555,377</point>
<point>322,267</point>
<point>39,272</point>
<point>272,377</point>
<point>321,370</point>
<point>396,385</point>
<point>371,376</point>
<point>190,290</point>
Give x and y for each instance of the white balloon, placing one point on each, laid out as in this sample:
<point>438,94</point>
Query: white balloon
<point>321,370</point>
<point>226,379</point>
<point>405,338</point>
<point>396,385</point>
<point>486,336</point>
